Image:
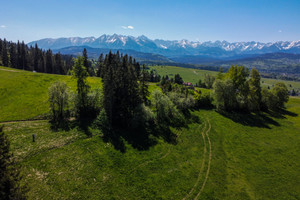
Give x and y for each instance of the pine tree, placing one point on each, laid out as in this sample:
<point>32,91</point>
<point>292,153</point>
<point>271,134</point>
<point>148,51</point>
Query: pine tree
<point>1,44</point>
<point>36,58</point>
<point>13,55</point>
<point>10,188</point>
<point>5,60</point>
<point>100,66</point>
<point>86,62</point>
<point>49,63</point>
<point>19,55</point>
<point>23,56</point>
<point>80,73</point>
<point>58,64</point>
<point>143,86</point>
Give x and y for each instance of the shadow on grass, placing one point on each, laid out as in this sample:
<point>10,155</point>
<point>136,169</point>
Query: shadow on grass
<point>65,125</point>
<point>260,119</point>
<point>280,113</point>
<point>146,136</point>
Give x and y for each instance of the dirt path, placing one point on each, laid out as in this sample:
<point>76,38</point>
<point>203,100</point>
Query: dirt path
<point>202,164</point>
<point>8,70</point>
<point>29,120</point>
<point>209,161</point>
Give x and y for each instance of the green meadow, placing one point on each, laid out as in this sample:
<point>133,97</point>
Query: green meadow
<point>221,156</point>
<point>193,76</point>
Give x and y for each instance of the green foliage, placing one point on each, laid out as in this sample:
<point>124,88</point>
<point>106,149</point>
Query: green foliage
<point>276,97</point>
<point>166,111</point>
<point>209,80</point>
<point>203,98</point>
<point>144,91</point>
<point>238,75</point>
<point>102,122</point>
<point>224,94</point>
<point>254,91</point>
<point>182,101</point>
<point>281,92</point>
<point>178,79</point>
<point>143,118</point>
<point>10,188</point>
<point>121,90</point>
<point>59,102</point>
<point>80,73</point>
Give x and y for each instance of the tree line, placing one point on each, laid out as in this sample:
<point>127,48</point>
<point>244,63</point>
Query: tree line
<point>20,56</point>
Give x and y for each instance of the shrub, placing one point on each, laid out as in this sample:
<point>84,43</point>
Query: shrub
<point>59,102</point>
<point>203,99</point>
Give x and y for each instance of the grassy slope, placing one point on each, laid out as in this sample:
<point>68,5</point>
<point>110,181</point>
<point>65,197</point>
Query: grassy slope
<point>252,158</point>
<point>193,76</point>
<point>24,95</point>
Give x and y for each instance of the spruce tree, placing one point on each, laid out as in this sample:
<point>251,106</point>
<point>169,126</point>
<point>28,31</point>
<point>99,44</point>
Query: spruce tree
<point>100,66</point>
<point>80,73</point>
<point>5,60</point>
<point>1,44</point>
<point>13,55</point>
<point>143,86</point>
<point>49,63</point>
<point>36,58</point>
<point>24,56</point>
<point>10,188</point>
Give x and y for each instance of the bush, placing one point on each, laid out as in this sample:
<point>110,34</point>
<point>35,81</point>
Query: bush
<point>166,111</point>
<point>143,117</point>
<point>59,102</point>
<point>182,101</point>
<point>203,99</point>
<point>102,122</point>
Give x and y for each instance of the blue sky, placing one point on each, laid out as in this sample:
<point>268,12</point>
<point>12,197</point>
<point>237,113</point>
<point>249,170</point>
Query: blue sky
<point>199,20</point>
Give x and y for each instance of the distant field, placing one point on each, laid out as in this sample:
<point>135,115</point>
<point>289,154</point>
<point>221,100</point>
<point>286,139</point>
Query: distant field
<point>193,76</point>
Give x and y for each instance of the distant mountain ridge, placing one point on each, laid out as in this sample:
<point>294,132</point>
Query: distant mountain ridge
<point>149,58</point>
<point>217,49</point>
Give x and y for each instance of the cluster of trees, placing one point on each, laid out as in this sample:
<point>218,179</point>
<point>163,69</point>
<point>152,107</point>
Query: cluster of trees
<point>240,90</point>
<point>20,56</point>
<point>10,187</point>
<point>124,101</point>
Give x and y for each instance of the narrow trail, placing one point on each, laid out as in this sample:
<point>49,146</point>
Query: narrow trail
<point>8,70</point>
<point>25,120</point>
<point>209,161</point>
<point>202,164</point>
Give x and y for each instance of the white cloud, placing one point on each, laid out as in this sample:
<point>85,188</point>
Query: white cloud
<point>279,31</point>
<point>127,27</point>
<point>3,26</point>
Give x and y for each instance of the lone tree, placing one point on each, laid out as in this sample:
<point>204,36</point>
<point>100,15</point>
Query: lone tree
<point>59,102</point>
<point>10,187</point>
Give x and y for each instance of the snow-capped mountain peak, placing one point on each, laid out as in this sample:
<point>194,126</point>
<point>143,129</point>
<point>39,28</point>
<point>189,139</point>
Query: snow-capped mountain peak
<point>186,47</point>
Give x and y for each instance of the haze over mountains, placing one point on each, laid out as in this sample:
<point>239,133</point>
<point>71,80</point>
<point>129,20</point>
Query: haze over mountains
<point>172,48</point>
<point>265,56</point>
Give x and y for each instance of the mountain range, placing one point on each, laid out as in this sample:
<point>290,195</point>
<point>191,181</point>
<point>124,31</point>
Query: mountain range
<point>217,49</point>
<point>279,57</point>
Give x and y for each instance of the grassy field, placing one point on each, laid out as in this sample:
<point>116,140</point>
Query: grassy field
<point>230,156</point>
<point>193,76</point>
<point>24,95</point>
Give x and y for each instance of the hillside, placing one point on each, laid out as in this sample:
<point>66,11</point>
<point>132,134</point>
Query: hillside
<point>193,76</point>
<point>234,156</point>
